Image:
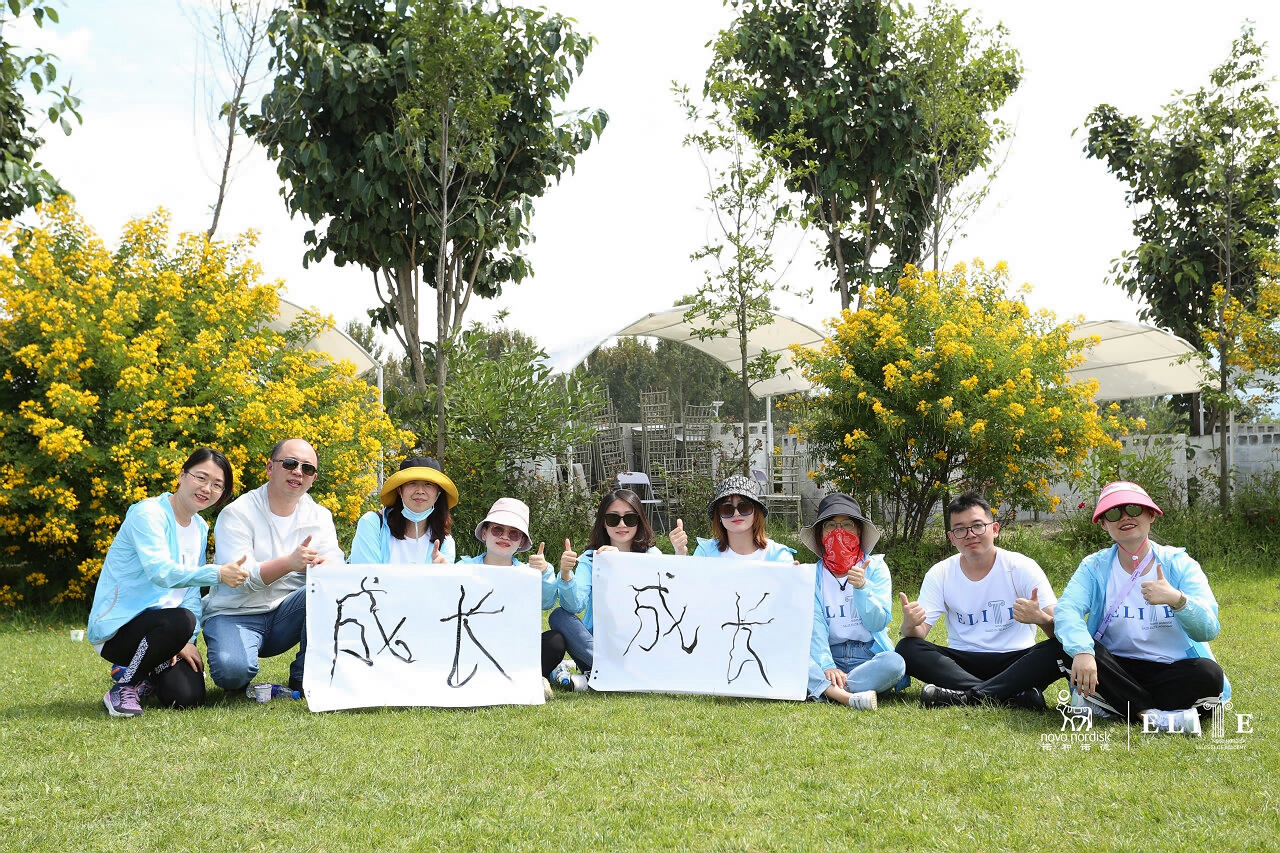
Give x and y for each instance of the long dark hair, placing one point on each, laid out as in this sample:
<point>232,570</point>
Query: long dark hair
<point>439,523</point>
<point>208,454</point>
<point>757,525</point>
<point>643,539</point>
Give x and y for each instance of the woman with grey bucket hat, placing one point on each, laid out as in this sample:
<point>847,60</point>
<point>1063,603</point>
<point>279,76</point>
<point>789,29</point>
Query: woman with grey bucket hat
<point>737,516</point>
<point>851,658</point>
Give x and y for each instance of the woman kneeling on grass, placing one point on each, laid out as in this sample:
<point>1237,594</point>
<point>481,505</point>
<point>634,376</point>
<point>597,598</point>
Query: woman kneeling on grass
<point>850,658</point>
<point>620,526</point>
<point>146,607</point>
<point>504,532</point>
<point>737,520</point>
<point>1136,619</point>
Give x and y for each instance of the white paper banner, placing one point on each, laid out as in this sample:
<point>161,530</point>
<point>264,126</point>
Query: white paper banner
<point>697,625</point>
<point>451,636</point>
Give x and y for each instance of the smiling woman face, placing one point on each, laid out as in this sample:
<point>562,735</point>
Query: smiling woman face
<point>1130,530</point>
<point>501,541</point>
<point>419,494</point>
<point>199,488</point>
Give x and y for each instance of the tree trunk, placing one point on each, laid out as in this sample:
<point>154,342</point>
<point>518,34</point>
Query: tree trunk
<point>868,242</point>
<point>937,217</point>
<point>837,250</point>
<point>746,389</point>
<point>407,306</point>
<point>442,287</point>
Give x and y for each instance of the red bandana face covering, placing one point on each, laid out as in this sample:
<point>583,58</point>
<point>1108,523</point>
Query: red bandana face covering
<point>842,550</point>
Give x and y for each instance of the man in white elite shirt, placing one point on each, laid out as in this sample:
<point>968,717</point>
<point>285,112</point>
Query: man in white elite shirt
<point>284,532</point>
<point>993,600</point>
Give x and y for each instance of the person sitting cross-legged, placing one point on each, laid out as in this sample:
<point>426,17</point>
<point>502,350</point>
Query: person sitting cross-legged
<point>993,600</point>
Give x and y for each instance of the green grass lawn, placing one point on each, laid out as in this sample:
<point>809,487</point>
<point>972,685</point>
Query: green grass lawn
<point>606,771</point>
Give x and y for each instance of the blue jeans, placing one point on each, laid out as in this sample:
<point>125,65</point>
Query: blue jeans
<point>867,669</point>
<point>577,639</point>
<point>237,640</point>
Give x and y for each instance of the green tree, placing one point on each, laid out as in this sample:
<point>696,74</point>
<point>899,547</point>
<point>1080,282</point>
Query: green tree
<point>960,74</point>
<point>116,364</point>
<point>506,412</point>
<point>1205,177</point>
<point>945,385</point>
<point>23,181</point>
<point>835,71</point>
<point>747,197</point>
<point>340,139</point>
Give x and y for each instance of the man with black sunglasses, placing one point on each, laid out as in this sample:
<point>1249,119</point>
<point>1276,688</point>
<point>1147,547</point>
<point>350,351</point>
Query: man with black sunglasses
<point>284,532</point>
<point>992,600</point>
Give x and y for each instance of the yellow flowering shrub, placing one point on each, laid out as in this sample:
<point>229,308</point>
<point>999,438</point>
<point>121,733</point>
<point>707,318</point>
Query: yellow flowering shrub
<point>115,365</point>
<point>947,383</point>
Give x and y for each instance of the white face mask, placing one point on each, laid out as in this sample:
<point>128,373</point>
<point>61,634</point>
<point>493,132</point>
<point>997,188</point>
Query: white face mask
<point>417,516</point>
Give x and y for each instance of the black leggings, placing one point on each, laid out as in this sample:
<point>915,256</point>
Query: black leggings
<point>553,649</point>
<point>1129,686</point>
<point>145,645</point>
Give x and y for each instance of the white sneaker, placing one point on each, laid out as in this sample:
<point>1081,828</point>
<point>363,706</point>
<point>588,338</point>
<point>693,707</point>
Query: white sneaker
<point>864,701</point>
<point>546,690</point>
<point>1078,701</point>
<point>579,682</point>
<point>1183,722</point>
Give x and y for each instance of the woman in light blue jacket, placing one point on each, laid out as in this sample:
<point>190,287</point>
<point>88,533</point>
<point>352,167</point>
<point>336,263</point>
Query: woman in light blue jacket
<point>414,525</point>
<point>146,607</point>
<point>1135,622</point>
<point>851,658</point>
<point>620,525</point>
<point>737,516</point>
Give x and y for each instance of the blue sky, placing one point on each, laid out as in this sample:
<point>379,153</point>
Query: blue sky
<point>613,240</point>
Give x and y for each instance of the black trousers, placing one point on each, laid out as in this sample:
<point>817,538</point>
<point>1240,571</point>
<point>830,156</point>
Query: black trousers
<point>146,643</point>
<point>553,649</point>
<point>1129,686</point>
<point>995,675</point>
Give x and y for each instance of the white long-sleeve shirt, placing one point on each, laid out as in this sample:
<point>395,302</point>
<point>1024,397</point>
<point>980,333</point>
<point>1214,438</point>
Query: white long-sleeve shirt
<point>245,527</point>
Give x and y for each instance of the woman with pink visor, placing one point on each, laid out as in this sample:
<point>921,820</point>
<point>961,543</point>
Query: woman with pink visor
<point>1135,621</point>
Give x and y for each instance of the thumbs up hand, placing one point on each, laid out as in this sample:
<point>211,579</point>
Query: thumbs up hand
<point>568,561</point>
<point>1159,590</point>
<point>679,539</point>
<point>436,556</point>
<point>912,616</point>
<point>1029,612</point>
<point>538,561</point>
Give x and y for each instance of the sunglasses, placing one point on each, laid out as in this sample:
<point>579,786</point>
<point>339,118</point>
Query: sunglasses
<point>497,531</point>
<point>612,519</point>
<point>291,464</point>
<point>1131,510</point>
<point>742,508</point>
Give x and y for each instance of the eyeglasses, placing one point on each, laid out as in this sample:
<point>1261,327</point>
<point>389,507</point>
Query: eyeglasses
<point>500,532</point>
<point>743,508</point>
<point>612,519</point>
<point>291,464</point>
<point>1131,510</point>
<point>977,529</point>
<point>828,526</point>
<point>202,481</point>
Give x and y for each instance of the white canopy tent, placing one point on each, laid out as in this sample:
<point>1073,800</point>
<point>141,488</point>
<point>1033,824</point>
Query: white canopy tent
<point>671,325</point>
<point>335,342</point>
<point>1133,360</point>
<point>774,337</point>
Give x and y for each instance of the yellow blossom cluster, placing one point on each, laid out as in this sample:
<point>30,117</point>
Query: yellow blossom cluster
<point>115,365</point>
<point>948,382</point>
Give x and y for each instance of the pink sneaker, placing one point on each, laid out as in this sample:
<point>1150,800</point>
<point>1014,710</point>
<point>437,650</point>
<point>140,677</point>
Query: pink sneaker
<point>122,701</point>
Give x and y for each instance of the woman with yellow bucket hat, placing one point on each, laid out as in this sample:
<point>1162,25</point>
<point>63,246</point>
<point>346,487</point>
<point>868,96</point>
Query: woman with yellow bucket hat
<point>414,524</point>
